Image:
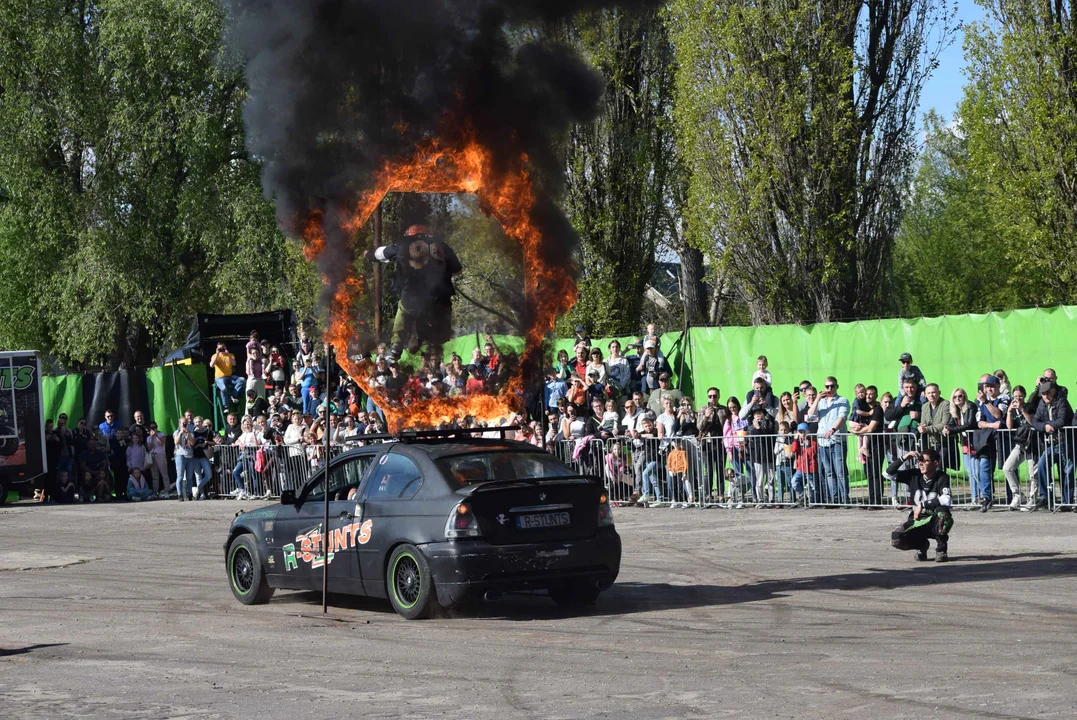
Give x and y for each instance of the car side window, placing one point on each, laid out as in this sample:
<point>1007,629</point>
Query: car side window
<point>343,479</point>
<point>395,477</point>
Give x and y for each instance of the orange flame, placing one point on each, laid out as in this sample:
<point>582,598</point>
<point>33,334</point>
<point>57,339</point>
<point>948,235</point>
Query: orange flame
<point>506,195</point>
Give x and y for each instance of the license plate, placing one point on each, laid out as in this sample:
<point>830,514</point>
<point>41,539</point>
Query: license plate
<point>542,520</point>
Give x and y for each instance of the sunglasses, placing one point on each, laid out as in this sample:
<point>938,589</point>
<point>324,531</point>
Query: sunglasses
<point>921,461</point>
<point>713,397</point>
<point>830,387</point>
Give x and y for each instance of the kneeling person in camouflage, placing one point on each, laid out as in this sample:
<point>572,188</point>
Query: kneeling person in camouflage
<point>929,486</point>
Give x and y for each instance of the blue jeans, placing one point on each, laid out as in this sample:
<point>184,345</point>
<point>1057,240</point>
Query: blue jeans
<point>971,469</point>
<point>784,479</point>
<point>982,467</point>
<point>833,461</point>
<point>650,479</point>
<point>184,475</point>
<point>202,471</point>
<point>1049,458</point>
<point>243,467</point>
<point>309,402</point>
<point>231,388</point>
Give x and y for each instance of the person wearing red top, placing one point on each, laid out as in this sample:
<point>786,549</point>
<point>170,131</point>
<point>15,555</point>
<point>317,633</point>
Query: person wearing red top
<point>806,463</point>
<point>491,354</point>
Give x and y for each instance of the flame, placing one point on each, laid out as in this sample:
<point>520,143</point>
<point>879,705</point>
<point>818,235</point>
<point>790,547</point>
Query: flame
<point>505,194</point>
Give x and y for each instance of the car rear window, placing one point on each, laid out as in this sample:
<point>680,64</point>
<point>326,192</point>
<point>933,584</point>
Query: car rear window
<point>463,470</point>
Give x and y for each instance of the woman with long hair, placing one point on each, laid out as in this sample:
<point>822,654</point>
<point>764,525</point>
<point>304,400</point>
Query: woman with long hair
<point>787,410</point>
<point>596,364</point>
<point>957,432</point>
<point>734,445</point>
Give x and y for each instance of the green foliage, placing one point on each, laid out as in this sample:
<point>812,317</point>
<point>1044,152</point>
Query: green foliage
<point>1019,114</point>
<point>797,122</point>
<point>953,254</point>
<point>621,168</point>
<point>127,201</point>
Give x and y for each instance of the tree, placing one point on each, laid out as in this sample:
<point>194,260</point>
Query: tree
<point>1020,116</point>
<point>797,122</point>
<point>953,253</point>
<point>129,203</point>
<point>620,168</point>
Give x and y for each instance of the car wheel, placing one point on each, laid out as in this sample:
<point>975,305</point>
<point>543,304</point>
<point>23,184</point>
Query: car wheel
<point>245,574</point>
<point>410,583</point>
<point>574,593</point>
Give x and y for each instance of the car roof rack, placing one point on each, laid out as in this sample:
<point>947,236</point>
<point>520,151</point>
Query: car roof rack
<point>410,436</point>
<point>450,434</point>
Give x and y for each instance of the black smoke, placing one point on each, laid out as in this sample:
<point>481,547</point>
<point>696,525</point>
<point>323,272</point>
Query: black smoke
<point>338,87</point>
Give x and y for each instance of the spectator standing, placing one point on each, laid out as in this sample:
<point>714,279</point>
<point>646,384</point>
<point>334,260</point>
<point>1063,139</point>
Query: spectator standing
<point>732,429</point>
<point>666,419</point>
<point>155,446</point>
<point>783,459</point>
<point>46,486</point>
<point>761,451</point>
<point>991,411</point>
<point>656,401</point>
<point>1052,414</point>
<point>556,388</point>
<point>1004,388</point>
<point>709,422</point>
<point>618,372</point>
<point>650,367</point>
<point>645,460</point>
<point>759,396</point>
<point>801,395</point>
<point>1017,421</point>
<point>137,454</point>
<point>786,411</point>
<point>934,416</point>
<point>255,366</point>
<point>630,423</point>
<point>871,453</point>
<point>910,372</point>
<point>810,395</point>
<point>806,462</point>
<point>832,412</point>
<point>184,444</point>
<point>67,446</point>
<point>904,415</point>
<point>957,435</point>
<point>228,384</point>
<point>114,433</point>
<point>596,366</point>
<point>275,374</point>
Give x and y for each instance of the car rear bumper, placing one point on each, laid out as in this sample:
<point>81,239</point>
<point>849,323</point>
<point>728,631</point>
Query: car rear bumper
<point>469,568</point>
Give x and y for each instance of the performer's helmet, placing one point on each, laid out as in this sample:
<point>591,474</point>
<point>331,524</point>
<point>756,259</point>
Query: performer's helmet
<point>416,230</point>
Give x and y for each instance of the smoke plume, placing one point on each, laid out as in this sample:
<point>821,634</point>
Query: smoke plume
<point>339,87</point>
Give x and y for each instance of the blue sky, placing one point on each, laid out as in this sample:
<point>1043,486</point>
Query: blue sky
<point>943,91</point>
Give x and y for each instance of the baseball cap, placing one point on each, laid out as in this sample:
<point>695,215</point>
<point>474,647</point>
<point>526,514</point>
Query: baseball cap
<point>905,357</point>
<point>663,376</point>
<point>1045,387</point>
<point>648,344</point>
<point>580,329</point>
<point>992,380</point>
<point>803,427</point>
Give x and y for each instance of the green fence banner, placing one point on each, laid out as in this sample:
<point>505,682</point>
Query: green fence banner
<point>175,388</point>
<point>63,394</point>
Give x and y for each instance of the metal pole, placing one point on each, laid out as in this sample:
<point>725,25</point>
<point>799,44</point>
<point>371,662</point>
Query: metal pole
<point>377,275</point>
<point>542,394</point>
<point>325,484</point>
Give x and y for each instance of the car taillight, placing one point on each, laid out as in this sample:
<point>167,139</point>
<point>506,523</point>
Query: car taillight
<point>462,523</point>
<point>605,512</point>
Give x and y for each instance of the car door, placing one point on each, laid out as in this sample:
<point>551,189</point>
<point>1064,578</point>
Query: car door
<point>298,531</point>
<point>392,482</point>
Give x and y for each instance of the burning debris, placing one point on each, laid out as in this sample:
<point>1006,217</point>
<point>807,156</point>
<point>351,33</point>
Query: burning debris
<point>353,99</point>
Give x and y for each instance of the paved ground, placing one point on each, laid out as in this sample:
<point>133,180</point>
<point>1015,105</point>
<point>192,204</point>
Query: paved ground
<point>124,611</point>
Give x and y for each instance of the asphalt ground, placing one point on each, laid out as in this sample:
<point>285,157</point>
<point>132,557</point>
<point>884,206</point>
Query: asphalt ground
<point>124,611</point>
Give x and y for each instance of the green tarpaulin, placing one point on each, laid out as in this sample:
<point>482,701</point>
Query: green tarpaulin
<point>63,394</point>
<point>190,389</point>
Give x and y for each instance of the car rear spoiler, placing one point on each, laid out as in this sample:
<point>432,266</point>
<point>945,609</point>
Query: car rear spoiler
<point>488,485</point>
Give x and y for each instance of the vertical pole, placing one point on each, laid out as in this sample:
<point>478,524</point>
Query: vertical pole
<point>542,394</point>
<point>377,275</point>
<point>325,483</point>
<point>175,395</point>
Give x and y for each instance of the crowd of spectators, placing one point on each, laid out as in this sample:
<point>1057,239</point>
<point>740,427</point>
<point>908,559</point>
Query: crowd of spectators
<point>764,448</point>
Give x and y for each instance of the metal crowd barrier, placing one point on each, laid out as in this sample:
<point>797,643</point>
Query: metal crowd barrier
<point>285,467</point>
<point>846,470</point>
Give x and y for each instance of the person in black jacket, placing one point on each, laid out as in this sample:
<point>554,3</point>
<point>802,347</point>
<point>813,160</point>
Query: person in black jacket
<point>930,517</point>
<point>425,267</point>
<point>1052,414</point>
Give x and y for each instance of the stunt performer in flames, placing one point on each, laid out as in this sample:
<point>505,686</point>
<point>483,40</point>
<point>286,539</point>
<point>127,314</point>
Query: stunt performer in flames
<point>425,267</point>
<point>930,516</point>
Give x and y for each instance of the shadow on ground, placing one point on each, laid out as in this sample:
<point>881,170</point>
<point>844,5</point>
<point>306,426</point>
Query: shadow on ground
<point>4,652</point>
<point>626,598</point>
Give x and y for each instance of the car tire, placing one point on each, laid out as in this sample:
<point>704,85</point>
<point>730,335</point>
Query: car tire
<point>246,576</point>
<point>410,584</point>
<point>574,593</point>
